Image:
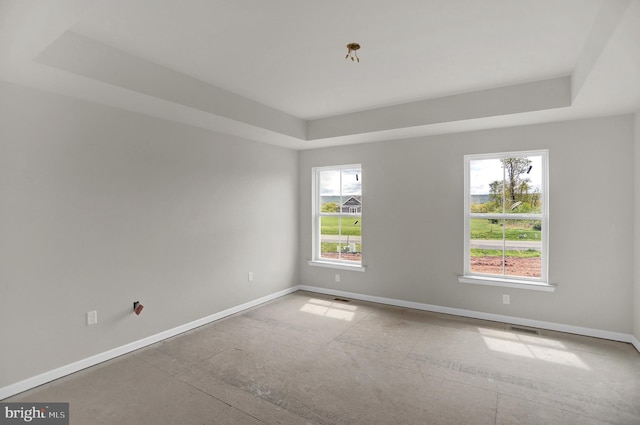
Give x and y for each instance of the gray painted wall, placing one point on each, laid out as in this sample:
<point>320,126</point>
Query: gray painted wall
<point>636,262</point>
<point>102,207</point>
<point>416,255</point>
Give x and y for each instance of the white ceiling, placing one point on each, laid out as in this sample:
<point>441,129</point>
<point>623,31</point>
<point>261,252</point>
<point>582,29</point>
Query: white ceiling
<point>275,70</point>
<point>289,54</point>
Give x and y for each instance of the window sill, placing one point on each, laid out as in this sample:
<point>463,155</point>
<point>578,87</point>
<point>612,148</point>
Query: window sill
<point>341,266</point>
<point>507,283</point>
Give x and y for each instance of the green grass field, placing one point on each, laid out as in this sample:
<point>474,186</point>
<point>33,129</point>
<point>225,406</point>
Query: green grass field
<point>329,226</point>
<point>481,228</point>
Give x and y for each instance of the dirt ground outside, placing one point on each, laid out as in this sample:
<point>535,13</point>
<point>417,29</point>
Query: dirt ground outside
<point>356,256</point>
<point>514,266</point>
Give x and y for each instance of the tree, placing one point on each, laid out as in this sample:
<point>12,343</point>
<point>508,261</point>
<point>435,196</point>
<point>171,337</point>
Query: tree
<point>515,188</point>
<point>495,192</point>
<point>330,207</point>
<point>514,168</point>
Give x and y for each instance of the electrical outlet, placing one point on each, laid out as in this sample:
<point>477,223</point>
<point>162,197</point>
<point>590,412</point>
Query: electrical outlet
<point>250,276</point>
<point>92,317</point>
<point>337,277</point>
<point>506,299</point>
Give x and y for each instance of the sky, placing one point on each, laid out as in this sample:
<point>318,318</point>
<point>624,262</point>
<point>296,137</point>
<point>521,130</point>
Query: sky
<point>483,172</point>
<point>330,182</point>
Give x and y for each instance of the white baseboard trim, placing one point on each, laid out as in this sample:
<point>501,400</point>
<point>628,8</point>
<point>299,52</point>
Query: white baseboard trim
<point>596,333</point>
<point>57,373</point>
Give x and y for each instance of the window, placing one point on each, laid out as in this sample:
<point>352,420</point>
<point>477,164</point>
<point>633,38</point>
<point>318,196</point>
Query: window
<point>506,214</point>
<point>337,216</point>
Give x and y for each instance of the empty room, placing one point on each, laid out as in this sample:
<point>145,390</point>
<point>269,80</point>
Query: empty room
<point>320,212</point>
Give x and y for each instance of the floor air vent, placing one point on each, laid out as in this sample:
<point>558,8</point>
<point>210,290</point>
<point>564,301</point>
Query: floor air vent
<point>341,300</point>
<point>523,330</point>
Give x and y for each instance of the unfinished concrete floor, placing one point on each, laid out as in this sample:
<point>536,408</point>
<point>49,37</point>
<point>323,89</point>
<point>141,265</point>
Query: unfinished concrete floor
<point>309,359</point>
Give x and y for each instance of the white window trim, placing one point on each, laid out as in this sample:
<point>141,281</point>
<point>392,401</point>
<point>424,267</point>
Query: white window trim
<point>507,283</point>
<point>315,236</point>
<point>336,265</point>
<point>541,284</point>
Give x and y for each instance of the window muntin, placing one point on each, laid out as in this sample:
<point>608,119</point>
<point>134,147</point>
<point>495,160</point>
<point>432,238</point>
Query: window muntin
<point>506,215</point>
<point>338,214</point>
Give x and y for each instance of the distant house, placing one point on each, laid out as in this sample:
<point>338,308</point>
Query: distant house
<point>351,205</point>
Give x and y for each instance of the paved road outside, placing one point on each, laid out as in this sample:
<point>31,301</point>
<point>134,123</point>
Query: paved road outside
<point>511,245</point>
<point>336,239</point>
<point>521,245</point>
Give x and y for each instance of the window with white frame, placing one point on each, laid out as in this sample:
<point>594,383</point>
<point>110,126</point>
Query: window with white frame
<point>506,216</point>
<point>337,215</point>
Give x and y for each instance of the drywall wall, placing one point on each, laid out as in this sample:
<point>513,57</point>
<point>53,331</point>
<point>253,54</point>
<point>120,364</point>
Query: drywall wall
<point>412,222</point>
<point>636,256</point>
<point>101,207</point>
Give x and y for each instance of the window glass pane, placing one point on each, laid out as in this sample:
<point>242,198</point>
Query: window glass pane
<point>514,181</point>
<point>351,181</point>
<point>352,238</point>
<point>351,191</point>
<point>486,246</point>
<point>523,248</point>
<point>329,186</point>
<point>519,254</point>
<point>330,239</point>
<point>523,184</point>
<point>341,238</point>
<point>485,186</point>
